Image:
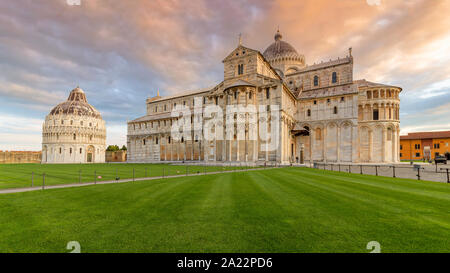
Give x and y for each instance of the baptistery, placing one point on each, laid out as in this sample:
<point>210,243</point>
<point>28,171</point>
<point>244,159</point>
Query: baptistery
<point>74,132</point>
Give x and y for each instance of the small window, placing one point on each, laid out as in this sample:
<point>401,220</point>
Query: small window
<point>235,94</point>
<point>328,100</point>
<point>81,150</point>
<point>169,139</point>
<point>74,137</point>
<point>182,139</point>
<point>369,94</point>
<point>71,122</point>
<point>165,107</point>
<point>342,99</point>
<point>240,69</point>
<point>315,102</point>
<point>70,150</point>
<point>417,154</point>
<point>334,77</point>
<point>401,154</point>
<point>184,102</point>
<point>60,150</point>
<point>309,112</point>
<point>143,141</point>
<point>375,114</point>
<point>267,93</point>
<point>156,109</point>
<point>401,147</point>
<point>335,110</point>
<point>217,100</point>
<point>156,140</point>
<point>417,146</point>
<point>250,95</point>
<point>316,80</point>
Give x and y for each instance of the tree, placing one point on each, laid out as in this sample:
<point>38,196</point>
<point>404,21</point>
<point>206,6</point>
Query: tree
<point>112,148</point>
<point>124,148</point>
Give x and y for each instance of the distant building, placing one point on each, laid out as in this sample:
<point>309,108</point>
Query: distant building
<point>324,114</point>
<point>424,145</point>
<point>74,132</point>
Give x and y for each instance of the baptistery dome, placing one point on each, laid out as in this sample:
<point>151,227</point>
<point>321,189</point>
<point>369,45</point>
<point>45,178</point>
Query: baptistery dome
<point>283,57</point>
<point>74,132</point>
<point>76,104</point>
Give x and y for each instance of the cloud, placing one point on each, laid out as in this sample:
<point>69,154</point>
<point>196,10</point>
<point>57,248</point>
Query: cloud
<point>121,52</point>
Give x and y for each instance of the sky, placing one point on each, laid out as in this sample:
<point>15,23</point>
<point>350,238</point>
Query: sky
<point>121,52</point>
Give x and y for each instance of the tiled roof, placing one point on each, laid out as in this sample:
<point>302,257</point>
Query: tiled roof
<point>328,91</point>
<point>427,135</point>
<point>364,83</point>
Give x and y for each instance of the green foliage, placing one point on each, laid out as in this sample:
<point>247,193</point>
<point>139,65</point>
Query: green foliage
<point>124,148</point>
<point>112,148</point>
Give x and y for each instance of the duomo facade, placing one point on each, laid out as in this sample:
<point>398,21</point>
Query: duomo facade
<point>325,115</point>
<point>74,132</point>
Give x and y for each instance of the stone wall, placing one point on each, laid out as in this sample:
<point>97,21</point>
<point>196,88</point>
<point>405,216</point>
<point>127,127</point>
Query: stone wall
<point>116,156</point>
<point>20,157</point>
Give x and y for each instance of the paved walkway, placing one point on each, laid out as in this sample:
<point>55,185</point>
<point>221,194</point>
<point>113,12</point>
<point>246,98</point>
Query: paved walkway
<point>118,181</point>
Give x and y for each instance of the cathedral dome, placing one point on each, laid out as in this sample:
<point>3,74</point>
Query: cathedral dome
<point>280,49</point>
<point>76,104</point>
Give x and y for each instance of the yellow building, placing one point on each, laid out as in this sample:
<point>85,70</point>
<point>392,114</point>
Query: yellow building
<point>424,145</point>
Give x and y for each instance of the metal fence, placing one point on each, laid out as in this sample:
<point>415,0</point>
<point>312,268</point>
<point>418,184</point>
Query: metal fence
<point>438,173</point>
<point>37,175</point>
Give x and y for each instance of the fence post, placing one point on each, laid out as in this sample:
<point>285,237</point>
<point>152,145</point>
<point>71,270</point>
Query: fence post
<point>43,181</point>
<point>436,165</point>
<point>79,176</point>
<point>339,166</point>
<point>163,172</point>
<point>146,172</point>
<point>204,169</point>
<point>133,174</point>
<point>360,167</point>
<point>187,170</point>
<point>95,177</point>
<point>32,179</point>
<point>448,179</point>
<point>349,168</point>
<point>331,167</point>
<point>376,170</point>
<point>393,171</point>
<point>418,173</point>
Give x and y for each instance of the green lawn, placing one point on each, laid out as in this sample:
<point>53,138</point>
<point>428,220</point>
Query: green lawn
<point>20,175</point>
<point>277,210</point>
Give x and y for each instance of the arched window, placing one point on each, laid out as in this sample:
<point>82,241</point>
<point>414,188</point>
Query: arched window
<point>169,139</point>
<point>74,137</point>
<point>316,80</point>
<point>240,69</point>
<point>143,141</point>
<point>182,139</point>
<point>309,112</point>
<point>335,110</point>
<point>81,150</point>
<point>156,140</point>
<point>334,77</point>
<point>268,93</point>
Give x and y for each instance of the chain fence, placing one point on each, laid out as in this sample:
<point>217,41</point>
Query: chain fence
<point>429,172</point>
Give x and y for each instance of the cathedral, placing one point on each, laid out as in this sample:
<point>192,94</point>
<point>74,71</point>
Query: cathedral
<point>273,108</point>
